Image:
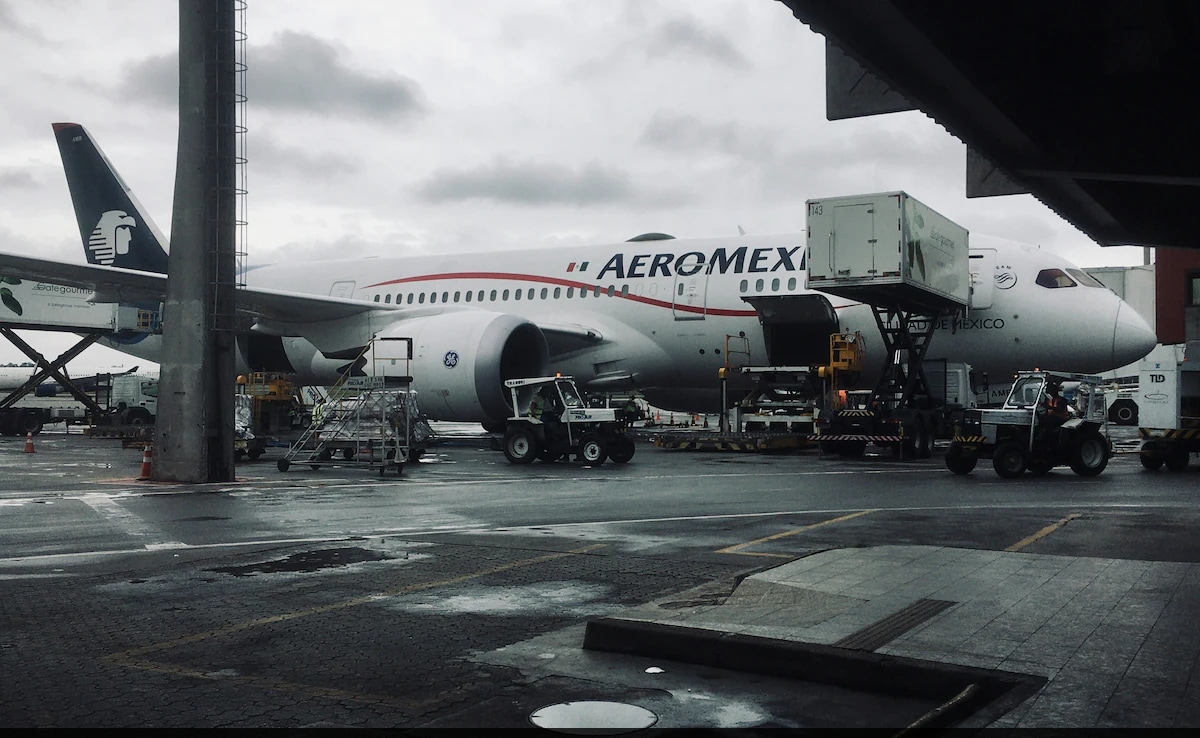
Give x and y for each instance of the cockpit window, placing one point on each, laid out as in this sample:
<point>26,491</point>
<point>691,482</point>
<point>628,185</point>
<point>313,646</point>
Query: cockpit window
<point>1084,278</point>
<point>1054,278</point>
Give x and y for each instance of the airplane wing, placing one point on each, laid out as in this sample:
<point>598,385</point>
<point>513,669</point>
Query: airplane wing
<point>113,284</point>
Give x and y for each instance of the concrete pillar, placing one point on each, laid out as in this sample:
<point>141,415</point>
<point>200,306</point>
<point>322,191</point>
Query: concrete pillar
<point>194,427</point>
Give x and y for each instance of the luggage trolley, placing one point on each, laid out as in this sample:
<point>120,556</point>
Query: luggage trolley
<point>365,421</point>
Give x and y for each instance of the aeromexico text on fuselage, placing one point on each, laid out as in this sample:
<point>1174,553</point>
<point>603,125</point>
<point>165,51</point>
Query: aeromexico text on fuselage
<point>742,260</point>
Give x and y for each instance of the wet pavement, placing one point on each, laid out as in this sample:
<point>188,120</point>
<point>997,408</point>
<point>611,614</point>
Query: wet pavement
<point>460,597</point>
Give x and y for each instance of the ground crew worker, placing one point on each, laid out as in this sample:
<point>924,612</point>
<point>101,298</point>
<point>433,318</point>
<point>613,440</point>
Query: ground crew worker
<point>1056,406</point>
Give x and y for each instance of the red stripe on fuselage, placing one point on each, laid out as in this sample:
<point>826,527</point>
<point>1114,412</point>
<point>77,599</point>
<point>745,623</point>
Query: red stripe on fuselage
<point>699,310</point>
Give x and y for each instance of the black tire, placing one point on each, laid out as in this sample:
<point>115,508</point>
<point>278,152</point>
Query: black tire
<point>238,454</point>
<point>1089,454</point>
<point>592,450</point>
<point>139,416</point>
<point>521,445</point>
<point>347,453</point>
<point>1123,412</point>
<point>254,453</point>
<point>1177,460</point>
<point>1153,462</point>
<point>621,449</point>
<point>282,465</point>
<point>959,461</point>
<point>1009,460</point>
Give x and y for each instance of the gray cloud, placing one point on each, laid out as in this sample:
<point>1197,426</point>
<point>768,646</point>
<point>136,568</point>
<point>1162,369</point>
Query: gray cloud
<point>11,178</point>
<point>267,156</point>
<point>685,34</point>
<point>10,24</point>
<point>678,132</point>
<point>296,72</point>
<point>529,184</point>
<point>301,72</point>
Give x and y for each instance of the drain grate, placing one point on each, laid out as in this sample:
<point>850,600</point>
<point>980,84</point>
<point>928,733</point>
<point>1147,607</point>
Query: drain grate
<point>884,631</point>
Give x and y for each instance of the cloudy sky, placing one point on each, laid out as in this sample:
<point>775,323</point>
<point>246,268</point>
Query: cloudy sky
<point>424,126</point>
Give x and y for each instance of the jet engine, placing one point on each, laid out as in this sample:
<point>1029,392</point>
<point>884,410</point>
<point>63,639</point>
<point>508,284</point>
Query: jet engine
<point>460,361</point>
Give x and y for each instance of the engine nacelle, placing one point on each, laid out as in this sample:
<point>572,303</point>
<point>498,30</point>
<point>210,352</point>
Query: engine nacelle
<point>460,361</point>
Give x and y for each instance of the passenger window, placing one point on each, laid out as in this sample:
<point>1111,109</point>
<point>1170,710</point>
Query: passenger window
<point>432,297</point>
<point>410,298</point>
<point>504,295</point>
<point>775,285</point>
<point>493,297</point>
<point>445,297</point>
<point>386,299</point>
<point>399,298</point>
<point>480,297</point>
<point>529,295</point>
<point>557,292</point>
<point>570,292</point>
<point>743,286</point>
<point>469,293</point>
<point>544,293</point>
<point>1054,278</point>
<point>458,295</point>
<point>791,284</point>
<point>376,298</point>
<point>758,285</point>
<point>597,290</point>
<point>421,298</point>
<point>611,290</point>
<point>517,294</point>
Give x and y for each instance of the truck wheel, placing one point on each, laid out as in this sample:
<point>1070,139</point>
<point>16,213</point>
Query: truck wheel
<point>139,416</point>
<point>520,445</point>
<point>1153,462</point>
<point>1009,460</point>
<point>959,461</point>
<point>282,465</point>
<point>1089,454</point>
<point>1177,460</point>
<point>592,450</point>
<point>621,450</point>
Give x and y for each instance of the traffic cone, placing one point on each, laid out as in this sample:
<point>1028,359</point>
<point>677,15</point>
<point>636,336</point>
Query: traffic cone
<point>147,460</point>
<point>29,443</point>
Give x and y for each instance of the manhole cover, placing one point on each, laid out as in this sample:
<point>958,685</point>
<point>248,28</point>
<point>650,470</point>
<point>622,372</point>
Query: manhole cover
<point>594,717</point>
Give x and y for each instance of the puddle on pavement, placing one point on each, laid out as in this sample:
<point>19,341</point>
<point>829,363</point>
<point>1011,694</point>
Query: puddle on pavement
<point>306,561</point>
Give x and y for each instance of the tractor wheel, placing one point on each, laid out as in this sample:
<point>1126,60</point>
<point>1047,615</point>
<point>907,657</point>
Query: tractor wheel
<point>520,445</point>
<point>1089,454</point>
<point>1009,460</point>
<point>959,461</point>
<point>1177,459</point>
<point>592,450</point>
<point>621,449</point>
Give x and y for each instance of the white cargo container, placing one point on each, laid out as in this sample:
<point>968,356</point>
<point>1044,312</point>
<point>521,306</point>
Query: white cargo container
<point>41,305</point>
<point>887,249</point>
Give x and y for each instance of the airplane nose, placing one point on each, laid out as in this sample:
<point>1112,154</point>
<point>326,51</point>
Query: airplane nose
<point>1132,336</point>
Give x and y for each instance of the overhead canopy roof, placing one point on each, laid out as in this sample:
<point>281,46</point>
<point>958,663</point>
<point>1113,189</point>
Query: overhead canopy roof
<point>1086,104</point>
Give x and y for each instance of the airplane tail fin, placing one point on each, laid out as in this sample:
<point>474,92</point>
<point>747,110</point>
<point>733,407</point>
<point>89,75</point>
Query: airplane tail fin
<point>115,229</point>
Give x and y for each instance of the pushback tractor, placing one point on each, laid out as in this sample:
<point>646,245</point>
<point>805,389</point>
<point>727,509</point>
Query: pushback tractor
<point>1049,419</point>
<point>551,421</point>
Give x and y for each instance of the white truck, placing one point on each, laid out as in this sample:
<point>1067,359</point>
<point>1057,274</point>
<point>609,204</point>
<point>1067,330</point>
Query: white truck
<point>906,260</point>
<point>1168,408</point>
<point>120,399</point>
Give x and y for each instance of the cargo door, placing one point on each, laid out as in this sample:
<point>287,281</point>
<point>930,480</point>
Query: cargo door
<point>688,300</point>
<point>852,251</point>
<point>344,288</point>
<point>983,278</point>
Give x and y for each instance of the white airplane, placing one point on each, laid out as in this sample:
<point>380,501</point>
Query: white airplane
<point>656,314</point>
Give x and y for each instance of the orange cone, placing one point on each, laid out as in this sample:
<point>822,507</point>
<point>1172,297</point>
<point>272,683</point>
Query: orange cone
<point>29,443</point>
<point>147,459</point>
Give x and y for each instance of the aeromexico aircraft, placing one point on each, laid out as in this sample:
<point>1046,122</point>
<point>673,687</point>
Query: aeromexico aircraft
<point>654,313</point>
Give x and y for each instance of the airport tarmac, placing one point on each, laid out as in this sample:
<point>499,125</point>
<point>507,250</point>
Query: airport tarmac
<point>681,590</point>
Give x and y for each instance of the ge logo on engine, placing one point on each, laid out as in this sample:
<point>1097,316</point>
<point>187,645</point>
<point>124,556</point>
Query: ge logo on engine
<point>451,359</point>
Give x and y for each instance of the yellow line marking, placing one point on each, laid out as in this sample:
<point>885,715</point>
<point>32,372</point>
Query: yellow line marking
<point>737,548</point>
<point>332,607</point>
<point>1041,533</point>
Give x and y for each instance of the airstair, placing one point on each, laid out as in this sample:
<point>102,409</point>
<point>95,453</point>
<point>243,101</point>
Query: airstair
<point>370,421</point>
